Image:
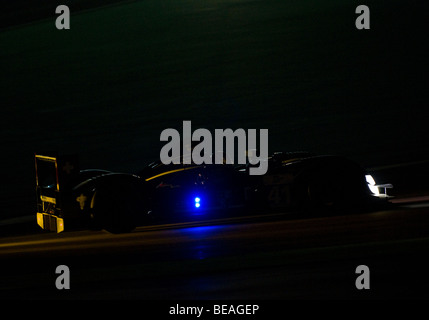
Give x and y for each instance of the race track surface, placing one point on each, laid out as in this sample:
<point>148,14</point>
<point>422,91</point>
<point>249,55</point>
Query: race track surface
<point>248,258</point>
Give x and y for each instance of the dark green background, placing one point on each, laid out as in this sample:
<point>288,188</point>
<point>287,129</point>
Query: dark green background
<point>107,87</point>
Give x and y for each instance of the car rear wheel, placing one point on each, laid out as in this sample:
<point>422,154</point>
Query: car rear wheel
<point>116,207</point>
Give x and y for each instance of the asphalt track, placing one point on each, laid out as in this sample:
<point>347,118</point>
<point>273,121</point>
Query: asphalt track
<point>250,258</point>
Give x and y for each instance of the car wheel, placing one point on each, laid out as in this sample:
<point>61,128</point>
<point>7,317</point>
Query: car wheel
<point>115,208</point>
<point>324,192</point>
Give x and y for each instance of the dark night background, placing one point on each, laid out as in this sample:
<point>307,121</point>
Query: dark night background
<point>107,87</point>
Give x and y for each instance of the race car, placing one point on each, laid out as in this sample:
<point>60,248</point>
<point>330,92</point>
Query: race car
<point>296,182</point>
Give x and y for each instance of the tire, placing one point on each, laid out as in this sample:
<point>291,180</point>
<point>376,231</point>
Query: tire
<point>329,190</point>
<point>116,206</point>
<point>324,192</point>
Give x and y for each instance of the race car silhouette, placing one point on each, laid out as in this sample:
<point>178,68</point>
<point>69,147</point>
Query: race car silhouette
<point>296,182</point>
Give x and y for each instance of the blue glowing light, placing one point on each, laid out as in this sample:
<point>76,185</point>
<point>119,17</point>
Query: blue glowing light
<point>197,202</point>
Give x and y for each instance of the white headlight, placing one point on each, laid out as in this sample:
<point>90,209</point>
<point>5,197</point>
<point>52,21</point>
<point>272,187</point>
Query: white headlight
<point>372,185</point>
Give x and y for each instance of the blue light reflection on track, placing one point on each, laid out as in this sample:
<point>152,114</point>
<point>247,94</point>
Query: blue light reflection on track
<point>201,248</point>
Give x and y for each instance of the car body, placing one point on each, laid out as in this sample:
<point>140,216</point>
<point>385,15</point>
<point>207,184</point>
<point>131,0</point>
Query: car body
<point>296,182</point>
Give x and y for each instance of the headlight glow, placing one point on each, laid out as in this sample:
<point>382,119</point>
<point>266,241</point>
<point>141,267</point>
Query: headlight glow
<point>372,185</point>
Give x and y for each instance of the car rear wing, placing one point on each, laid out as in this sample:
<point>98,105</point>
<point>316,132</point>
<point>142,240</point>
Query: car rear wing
<point>54,175</point>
